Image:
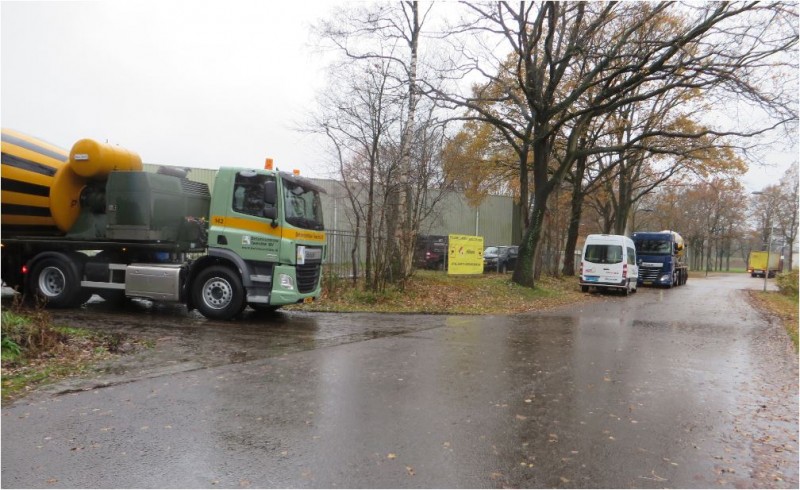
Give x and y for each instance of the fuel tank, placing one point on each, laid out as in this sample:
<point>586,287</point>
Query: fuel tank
<point>93,160</point>
<point>42,184</point>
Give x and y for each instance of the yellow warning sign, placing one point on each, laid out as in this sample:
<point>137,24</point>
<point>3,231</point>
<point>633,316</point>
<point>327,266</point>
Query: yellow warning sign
<point>465,254</point>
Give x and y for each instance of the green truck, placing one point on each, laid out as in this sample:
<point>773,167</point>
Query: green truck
<point>120,232</point>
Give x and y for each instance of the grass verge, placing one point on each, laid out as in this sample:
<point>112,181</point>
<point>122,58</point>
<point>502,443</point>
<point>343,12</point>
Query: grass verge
<point>782,307</point>
<point>36,352</point>
<point>433,292</point>
<point>783,304</point>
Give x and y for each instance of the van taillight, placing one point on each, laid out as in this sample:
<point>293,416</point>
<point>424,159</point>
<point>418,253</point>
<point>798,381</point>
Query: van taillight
<point>24,269</point>
<point>624,271</point>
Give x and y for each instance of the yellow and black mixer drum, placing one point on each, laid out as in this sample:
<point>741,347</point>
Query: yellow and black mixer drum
<point>29,167</point>
<point>42,184</point>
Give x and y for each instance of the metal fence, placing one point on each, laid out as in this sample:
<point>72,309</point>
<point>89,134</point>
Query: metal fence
<point>339,261</point>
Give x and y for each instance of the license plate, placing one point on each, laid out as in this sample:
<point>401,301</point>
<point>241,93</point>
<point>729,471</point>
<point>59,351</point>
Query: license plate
<point>310,299</point>
<point>647,282</point>
<point>592,278</point>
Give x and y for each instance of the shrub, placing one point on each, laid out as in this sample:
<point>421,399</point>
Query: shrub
<point>787,283</point>
<point>30,335</point>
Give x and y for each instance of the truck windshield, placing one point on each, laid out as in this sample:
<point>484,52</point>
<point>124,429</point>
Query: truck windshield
<point>654,247</point>
<point>303,207</point>
<point>603,254</point>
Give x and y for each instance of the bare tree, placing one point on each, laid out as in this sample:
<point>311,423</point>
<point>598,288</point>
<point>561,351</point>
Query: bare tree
<point>775,210</point>
<point>787,210</point>
<point>357,114</point>
<point>389,35</point>
<point>386,142</point>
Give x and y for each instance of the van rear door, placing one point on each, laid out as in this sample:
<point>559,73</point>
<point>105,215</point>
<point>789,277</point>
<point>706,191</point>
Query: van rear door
<point>603,263</point>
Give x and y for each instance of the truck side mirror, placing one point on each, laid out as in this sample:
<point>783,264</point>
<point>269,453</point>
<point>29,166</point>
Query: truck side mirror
<point>271,213</point>
<point>270,193</point>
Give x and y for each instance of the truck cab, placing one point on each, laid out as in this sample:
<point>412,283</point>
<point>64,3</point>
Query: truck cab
<point>270,225</point>
<point>660,258</point>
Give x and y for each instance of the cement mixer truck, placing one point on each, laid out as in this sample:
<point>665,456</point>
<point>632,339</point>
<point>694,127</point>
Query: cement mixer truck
<point>660,258</point>
<point>91,221</point>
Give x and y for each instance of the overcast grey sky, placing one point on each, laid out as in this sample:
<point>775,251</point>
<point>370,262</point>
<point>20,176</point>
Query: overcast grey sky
<point>200,83</point>
<point>194,83</point>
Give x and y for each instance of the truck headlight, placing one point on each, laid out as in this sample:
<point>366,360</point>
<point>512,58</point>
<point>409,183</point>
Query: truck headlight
<point>287,282</point>
<point>666,277</point>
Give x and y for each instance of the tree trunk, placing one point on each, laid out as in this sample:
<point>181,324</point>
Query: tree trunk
<point>406,236</point>
<point>524,273</point>
<point>623,200</point>
<point>369,273</point>
<point>576,211</point>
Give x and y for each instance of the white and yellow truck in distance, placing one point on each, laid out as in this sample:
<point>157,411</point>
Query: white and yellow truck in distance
<point>757,264</point>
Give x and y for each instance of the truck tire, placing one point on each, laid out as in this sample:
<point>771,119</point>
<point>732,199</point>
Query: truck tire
<point>584,289</point>
<point>79,260</point>
<point>55,281</point>
<point>218,293</point>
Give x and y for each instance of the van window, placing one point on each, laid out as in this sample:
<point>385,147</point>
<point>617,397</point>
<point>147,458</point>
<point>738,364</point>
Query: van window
<point>603,254</point>
<point>631,256</point>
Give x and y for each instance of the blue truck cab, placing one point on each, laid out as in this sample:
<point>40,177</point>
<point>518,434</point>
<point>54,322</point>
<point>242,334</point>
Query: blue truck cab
<point>660,258</point>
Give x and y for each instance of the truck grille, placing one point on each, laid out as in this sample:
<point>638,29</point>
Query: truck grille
<point>649,273</point>
<point>307,277</point>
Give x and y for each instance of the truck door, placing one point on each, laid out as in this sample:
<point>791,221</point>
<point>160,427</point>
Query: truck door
<point>249,225</point>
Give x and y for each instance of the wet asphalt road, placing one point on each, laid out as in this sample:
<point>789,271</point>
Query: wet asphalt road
<point>688,387</point>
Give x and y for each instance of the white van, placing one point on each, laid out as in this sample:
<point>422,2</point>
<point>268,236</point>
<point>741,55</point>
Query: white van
<point>609,261</point>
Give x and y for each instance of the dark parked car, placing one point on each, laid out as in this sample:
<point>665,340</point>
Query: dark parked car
<point>500,259</point>
<point>431,252</point>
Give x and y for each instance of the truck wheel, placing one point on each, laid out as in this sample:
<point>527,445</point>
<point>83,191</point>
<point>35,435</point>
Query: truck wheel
<point>218,293</point>
<point>54,280</point>
<point>584,289</point>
